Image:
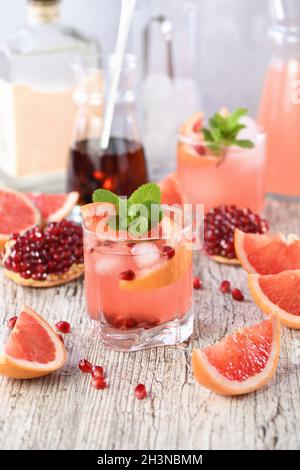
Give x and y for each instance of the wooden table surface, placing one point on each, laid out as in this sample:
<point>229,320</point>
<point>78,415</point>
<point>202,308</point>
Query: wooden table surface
<point>62,411</point>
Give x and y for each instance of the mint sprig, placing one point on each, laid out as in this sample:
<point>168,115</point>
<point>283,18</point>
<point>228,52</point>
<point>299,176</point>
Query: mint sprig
<point>223,132</point>
<point>141,212</point>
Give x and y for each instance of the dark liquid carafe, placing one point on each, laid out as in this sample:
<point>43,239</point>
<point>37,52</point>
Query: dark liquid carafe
<point>121,167</point>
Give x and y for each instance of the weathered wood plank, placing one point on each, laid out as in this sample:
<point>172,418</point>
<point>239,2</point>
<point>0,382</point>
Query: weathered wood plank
<point>63,412</point>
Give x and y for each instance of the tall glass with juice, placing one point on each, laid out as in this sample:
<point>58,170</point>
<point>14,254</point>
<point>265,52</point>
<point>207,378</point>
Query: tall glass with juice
<point>279,111</point>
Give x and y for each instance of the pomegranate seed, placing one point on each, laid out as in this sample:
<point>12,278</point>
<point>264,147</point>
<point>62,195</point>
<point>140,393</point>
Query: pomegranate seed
<point>11,322</point>
<point>219,225</point>
<point>140,391</point>
<point>197,283</point>
<point>168,251</point>
<point>200,149</point>
<point>225,287</point>
<point>63,327</point>
<point>128,275</point>
<point>97,371</point>
<point>237,295</point>
<point>85,366</point>
<point>61,338</point>
<point>99,383</point>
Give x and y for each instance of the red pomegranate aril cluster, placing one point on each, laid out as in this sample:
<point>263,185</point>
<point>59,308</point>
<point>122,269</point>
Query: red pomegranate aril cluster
<point>140,391</point>
<point>220,223</point>
<point>97,373</point>
<point>40,252</point>
<point>63,327</point>
<point>11,322</point>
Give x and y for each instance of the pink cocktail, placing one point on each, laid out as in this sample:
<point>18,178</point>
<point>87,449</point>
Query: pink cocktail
<point>235,176</point>
<point>140,291</point>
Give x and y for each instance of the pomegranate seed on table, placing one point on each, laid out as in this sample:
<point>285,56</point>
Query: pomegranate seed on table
<point>11,322</point>
<point>225,287</point>
<point>168,251</point>
<point>128,275</point>
<point>63,327</point>
<point>97,371</point>
<point>237,295</point>
<point>140,391</point>
<point>85,366</point>
<point>99,383</point>
<point>197,283</point>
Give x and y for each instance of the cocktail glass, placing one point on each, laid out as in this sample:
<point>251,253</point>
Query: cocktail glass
<point>235,177</point>
<point>140,291</point>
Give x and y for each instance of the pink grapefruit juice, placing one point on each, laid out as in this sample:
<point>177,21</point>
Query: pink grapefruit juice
<point>137,285</point>
<point>238,178</point>
<point>279,114</point>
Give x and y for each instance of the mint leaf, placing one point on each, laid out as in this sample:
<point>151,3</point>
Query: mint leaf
<point>246,144</point>
<point>103,195</point>
<point>146,192</point>
<point>223,132</point>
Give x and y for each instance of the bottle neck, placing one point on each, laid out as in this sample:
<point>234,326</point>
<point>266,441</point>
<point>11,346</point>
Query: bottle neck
<point>39,12</point>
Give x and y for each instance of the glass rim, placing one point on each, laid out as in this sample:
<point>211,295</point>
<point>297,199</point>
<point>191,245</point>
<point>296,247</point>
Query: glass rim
<point>193,141</point>
<point>175,209</point>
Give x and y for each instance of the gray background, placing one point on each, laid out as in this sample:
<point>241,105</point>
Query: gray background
<point>233,49</point>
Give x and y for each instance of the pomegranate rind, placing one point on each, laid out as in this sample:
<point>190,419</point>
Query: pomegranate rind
<point>62,205</point>
<point>209,377</point>
<point>274,253</point>
<point>223,260</point>
<point>53,280</point>
<point>23,369</point>
<point>36,217</point>
<point>172,191</point>
<point>258,293</point>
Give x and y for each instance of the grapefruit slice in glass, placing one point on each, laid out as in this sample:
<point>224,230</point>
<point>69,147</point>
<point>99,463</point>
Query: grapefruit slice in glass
<point>17,214</point>
<point>171,190</point>
<point>240,363</point>
<point>279,294</point>
<point>54,207</point>
<point>33,349</point>
<point>267,253</point>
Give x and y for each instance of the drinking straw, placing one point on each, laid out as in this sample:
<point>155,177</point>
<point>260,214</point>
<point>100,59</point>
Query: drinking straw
<point>127,10</point>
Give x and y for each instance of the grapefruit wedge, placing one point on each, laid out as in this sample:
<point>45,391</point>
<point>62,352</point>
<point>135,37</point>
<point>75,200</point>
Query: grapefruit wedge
<point>17,214</point>
<point>33,349</point>
<point>267,253</point>
<point>240,363</point>
<point>279,294</point>
<point>171,190</point>
<point>163,273</point>
<point>54,207</point>
<point>192,127</point>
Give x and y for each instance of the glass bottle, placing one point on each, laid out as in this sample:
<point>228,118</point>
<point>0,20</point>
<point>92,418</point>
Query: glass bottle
<point>36,103</point>
<point>279,111</point>
<point>122,167</point>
